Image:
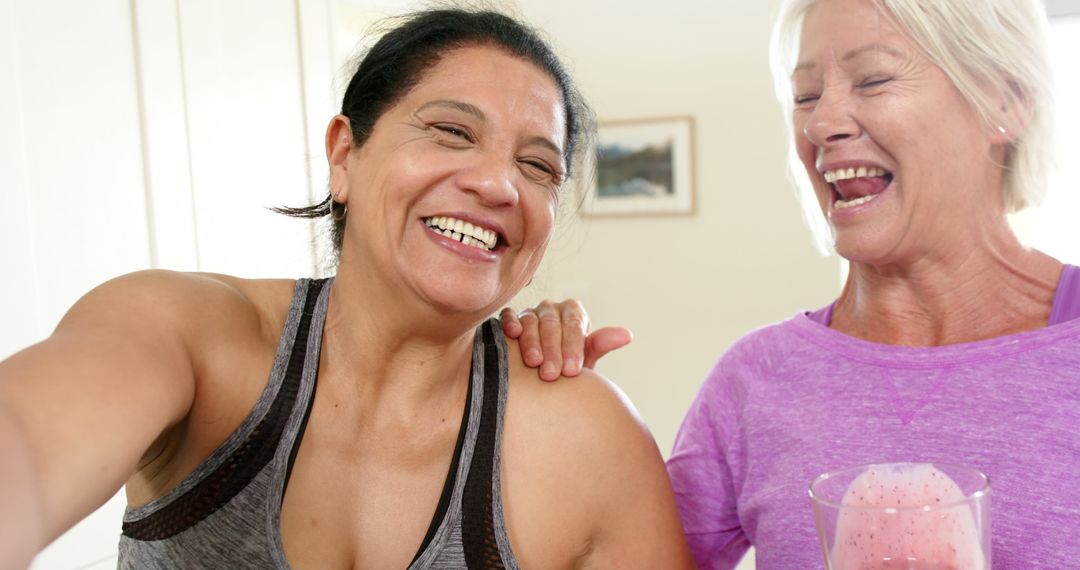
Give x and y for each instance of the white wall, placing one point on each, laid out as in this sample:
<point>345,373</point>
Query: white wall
<point>1052,226</point>
<point>69,157</point>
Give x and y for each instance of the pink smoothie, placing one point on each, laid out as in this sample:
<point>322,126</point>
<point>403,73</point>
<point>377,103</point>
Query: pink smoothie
<point>915,519</point>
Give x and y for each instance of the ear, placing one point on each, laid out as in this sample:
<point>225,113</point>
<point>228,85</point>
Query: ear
<point>1014,114</point>
<point>338,146</point>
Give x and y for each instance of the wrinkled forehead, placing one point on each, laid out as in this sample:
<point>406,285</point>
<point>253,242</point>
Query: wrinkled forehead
<point>464,66</point>
<point>484,78</point>
<point>837,31</point>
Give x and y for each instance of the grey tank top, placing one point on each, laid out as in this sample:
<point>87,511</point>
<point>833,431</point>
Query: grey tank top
<point>227,513</point>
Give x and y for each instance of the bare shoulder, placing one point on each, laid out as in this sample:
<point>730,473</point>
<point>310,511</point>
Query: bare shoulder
<point>213,337</point>
<point>135,358</point>
<point>589,405</point>
<point>583,472</point>
<point>585,423</point>
<point>199,301</point>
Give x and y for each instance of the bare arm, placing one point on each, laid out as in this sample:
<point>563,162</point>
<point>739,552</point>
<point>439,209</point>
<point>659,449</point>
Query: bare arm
<point>79,409</point>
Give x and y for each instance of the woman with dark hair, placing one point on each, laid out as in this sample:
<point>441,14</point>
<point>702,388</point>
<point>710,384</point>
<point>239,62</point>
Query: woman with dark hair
<point>376,419</point>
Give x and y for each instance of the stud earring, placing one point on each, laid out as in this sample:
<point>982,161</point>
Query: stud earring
<point>1001,129</point>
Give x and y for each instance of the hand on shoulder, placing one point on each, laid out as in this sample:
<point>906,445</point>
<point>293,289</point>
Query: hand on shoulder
<point>558,337</point>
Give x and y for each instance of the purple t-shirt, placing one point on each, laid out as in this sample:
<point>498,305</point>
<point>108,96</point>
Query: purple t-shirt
<point>795,399</point>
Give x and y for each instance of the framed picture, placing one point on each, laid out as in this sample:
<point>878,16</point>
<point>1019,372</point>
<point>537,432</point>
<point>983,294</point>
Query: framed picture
<point>643,167</point>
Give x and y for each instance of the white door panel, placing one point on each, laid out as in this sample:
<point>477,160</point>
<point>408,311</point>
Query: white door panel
<point>247,138</point>
<point>75,178</point>
<point>165,142</point>
<point>19,300</point>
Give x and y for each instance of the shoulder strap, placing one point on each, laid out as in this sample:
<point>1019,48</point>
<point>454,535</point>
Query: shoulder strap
<point>293,374</point>
<point>481,500</point>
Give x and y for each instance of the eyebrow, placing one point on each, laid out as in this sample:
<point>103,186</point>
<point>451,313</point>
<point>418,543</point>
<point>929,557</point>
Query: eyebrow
<point>457,106</point>
<point>476,112</point>
<point>546,143</point>
<point>852,54</point>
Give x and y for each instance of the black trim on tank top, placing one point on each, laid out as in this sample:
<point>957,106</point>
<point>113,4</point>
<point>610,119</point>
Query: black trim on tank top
<point>318,285</point>
<point>451,476</point>
<point>477,502</point>
<point>232,476</point>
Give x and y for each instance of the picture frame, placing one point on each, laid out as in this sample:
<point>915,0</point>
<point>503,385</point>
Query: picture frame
<point>644,167</point>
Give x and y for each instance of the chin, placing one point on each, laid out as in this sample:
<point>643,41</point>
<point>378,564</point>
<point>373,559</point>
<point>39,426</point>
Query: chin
<point>869,249</point>
<point>466,301</point>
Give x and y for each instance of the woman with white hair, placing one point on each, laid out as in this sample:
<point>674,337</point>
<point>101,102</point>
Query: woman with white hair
<point>916,125</point>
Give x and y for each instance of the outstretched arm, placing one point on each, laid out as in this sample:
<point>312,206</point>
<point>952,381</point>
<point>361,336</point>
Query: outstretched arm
<point>556,337</point>
<point>79,409</point>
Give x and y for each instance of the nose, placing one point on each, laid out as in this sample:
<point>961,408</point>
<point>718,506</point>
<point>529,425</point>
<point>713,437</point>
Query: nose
<point>490,177</point>
<point>832,120</point>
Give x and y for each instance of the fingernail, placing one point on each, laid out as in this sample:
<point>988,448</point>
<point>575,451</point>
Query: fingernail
<point>534,355</point>
<point>549,370</point>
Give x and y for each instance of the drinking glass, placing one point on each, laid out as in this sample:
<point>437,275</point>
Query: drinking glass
<point>911,516</point>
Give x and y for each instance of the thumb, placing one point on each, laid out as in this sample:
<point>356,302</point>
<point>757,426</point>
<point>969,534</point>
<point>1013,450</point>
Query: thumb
<point>603,341</point>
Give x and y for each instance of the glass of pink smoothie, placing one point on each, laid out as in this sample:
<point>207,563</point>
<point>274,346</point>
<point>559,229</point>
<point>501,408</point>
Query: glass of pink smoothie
<point>911,516</point>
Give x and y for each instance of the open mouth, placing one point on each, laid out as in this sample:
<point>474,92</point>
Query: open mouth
<point>464,232</point>
<point>856,186</point>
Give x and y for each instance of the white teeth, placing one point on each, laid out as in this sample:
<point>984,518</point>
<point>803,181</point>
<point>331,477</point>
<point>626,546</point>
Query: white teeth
<point>848,173</point>
<point>463,231</point>
<point>841,204</point>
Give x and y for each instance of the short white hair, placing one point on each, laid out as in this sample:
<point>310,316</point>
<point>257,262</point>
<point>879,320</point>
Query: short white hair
<point>992,50</point>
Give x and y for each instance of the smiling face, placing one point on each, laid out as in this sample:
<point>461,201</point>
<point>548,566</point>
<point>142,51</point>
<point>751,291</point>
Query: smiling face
<point>902,165</point>
<point>452,198</point>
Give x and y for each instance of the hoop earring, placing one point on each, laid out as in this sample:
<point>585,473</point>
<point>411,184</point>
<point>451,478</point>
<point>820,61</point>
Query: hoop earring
<point>338,211</point>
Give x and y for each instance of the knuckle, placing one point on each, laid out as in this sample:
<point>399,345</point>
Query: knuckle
<point>575,321</point>
<point>527,315</point>
<point>550,321</point>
